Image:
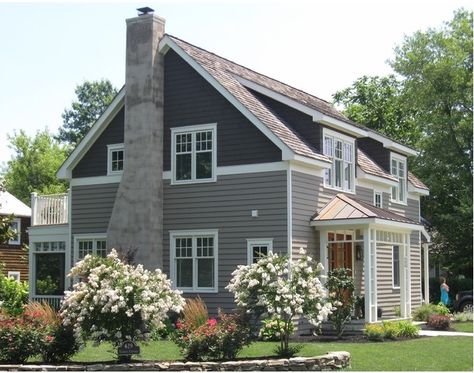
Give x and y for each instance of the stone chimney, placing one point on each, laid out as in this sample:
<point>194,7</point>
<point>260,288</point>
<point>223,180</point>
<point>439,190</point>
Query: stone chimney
<point>137,216</point>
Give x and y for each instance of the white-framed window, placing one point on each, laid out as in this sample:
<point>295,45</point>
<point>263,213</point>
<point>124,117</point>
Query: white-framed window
<point>48,267</point>
<point>396,267</point>
<point>256,248</point>
<point>14,275</point>
<point>115,159</point>
<point>398,168</point>
<point>193,154</point>
<point>378,199</point>
<point>93,244</point>
<point>16,227</point>
<point>193,260</point>
<point>341,150</point>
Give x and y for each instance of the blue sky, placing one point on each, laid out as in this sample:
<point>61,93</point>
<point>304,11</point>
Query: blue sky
<point>318,46</point>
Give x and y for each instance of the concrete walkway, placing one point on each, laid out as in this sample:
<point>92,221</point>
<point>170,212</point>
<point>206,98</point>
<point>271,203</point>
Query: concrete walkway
<point>441,333</point>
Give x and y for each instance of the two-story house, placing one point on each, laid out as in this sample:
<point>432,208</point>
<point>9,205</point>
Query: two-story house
<point>201,164</point>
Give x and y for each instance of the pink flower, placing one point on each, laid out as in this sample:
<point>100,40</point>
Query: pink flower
<point>212,322</point>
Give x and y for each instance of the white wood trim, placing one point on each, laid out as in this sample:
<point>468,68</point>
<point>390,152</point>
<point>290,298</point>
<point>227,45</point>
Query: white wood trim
<point>372,179</point>
<point>193,233</point>
<point>426,272</point>
<point>393,279</point>
<point>87,236</point>
<point>17,240</point>
<point>96,180</point>
<point>289,213</point>
<point>110,149</point>
<point>258,242</point>
<point>399,158</point>
<point>417,191</point>
<point>323,252</point>
<point>377,192</point>
<point>345,140</point>
<point>14,275</point>
<point>65,171</point>
<point>376,222</point>
<point>193,130</point>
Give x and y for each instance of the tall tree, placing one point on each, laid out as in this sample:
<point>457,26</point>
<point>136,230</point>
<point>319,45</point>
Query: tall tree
<point>379,103</point>
<point>34,166</point>
<point>435,93</point>
<point>92,100</point>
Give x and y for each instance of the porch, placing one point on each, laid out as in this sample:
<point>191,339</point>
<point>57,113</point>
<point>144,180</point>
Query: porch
<point>381,248</point>
<point>49,254</point>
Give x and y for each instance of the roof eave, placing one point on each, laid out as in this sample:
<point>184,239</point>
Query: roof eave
<point>362,175</point>
<point>373,221</point>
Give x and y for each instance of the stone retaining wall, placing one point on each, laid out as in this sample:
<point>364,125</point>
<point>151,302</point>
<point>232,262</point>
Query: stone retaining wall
<point>330,361</point>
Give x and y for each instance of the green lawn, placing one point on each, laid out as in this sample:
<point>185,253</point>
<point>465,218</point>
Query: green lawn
<point>462,326</point>
<point>435,353</point>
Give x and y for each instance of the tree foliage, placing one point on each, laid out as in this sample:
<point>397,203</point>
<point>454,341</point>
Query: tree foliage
<point>379,103</point>
<point>430,108</point>
<point>92,99</point>
<point>34,165</point>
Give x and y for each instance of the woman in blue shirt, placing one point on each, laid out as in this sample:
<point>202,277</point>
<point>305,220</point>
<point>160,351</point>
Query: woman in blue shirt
<point>444,291</point>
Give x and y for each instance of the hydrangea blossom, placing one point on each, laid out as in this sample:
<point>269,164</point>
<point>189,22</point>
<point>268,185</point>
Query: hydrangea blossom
<point>270,289</point>
<point>115,301</point>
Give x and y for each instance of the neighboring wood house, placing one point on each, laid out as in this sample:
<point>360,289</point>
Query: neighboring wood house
<point>13,256</point>
<point>202,164</point>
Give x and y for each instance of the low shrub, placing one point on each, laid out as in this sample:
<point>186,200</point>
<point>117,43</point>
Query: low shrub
<point>374,332</point>
<point>406,329</point>
<point>22,337</point>
<point>439,322</point>
<point>391,330</point>
<point>62,345</point>
<point>220,339</point>
<point>13,295</point>
<point>195,312</point>
<point>424,312</point>
<point>164,332</point>
<point>463,316</point>
<point>272,328</point>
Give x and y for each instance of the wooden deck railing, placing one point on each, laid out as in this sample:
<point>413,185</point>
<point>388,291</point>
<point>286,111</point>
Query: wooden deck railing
<point>49,210</point>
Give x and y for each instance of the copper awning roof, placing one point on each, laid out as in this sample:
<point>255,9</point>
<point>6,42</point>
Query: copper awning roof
<point>343,208</point>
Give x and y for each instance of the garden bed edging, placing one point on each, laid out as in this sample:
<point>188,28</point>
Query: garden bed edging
<point>331,361</point>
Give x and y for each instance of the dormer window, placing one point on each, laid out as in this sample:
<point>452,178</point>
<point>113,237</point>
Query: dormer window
<point>341,150</point>
<point>115,159</point>
<point>194,157</point>
<point>399,170</point>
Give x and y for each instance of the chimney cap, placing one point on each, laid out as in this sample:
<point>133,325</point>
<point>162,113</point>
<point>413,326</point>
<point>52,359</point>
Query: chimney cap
<point>145,10</point>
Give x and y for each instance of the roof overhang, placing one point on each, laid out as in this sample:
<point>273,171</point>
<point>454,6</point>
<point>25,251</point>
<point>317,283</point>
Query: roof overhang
<point>65,171</point>
<point>326,119</point>
<point>373,222</point>
<point>375,179</point>
<point>416,190</point>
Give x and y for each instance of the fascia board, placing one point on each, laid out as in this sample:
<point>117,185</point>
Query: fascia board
<point>420,191</point>
<point>167,43</point>
<point>374,179</point>
<point>65,171</point>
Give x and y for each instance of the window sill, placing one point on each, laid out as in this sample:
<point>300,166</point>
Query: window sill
<point>197,291</point>
<point>114,173</point>
<point>401,203</point>
<point>187,182</point>
<point>339,189</point>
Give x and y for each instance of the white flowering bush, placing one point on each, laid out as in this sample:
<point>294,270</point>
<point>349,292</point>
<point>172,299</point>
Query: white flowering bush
<point>267,288</point>
<point>115,301</point>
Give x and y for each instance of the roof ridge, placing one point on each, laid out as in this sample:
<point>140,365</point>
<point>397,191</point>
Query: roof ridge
<point>256,72</point>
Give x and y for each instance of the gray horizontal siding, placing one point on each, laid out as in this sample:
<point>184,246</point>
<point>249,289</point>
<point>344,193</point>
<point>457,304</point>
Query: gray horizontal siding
<point>226,205</point>
<point>94,162</point>
<point>191,100</point>
<point>91,207</point>
<point>387,297</point>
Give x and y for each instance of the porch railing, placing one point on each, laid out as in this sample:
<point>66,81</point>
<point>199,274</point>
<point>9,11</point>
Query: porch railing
<point>49,210</point>
<point>53,300</point>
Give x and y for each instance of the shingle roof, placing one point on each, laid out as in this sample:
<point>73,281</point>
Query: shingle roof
<point>342,207</point>
<point>9,204</point>
<point>370,167</point>
<point>226,73</point>
<point>223,71</point>
<point>416,182</point>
